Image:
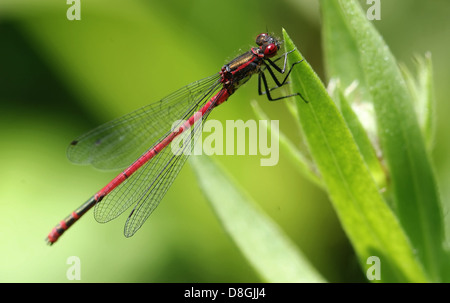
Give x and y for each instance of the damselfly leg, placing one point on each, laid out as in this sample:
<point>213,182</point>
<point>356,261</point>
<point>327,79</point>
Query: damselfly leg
<point>262,78</point>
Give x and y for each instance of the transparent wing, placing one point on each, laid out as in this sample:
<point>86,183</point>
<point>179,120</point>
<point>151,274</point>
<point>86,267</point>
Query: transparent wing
<point>148,185</point>
<point>116,144</point>
<point>153,195</point>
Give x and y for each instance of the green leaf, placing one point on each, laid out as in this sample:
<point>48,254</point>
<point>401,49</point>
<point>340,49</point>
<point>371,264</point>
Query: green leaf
<point>260,240</point>
<point>361,138</point>
<point>368,221</point>
<point>341,51</point>
<point>413,186</point>
<point>303,165</point>
<point>422,91</point>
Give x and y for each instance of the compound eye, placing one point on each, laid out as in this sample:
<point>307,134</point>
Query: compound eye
<point>261,38</point>
<point>270,50</point>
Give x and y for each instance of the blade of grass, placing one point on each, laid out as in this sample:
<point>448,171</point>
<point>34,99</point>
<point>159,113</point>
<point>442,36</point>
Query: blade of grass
<point>300,161</point>
<point>368,221</point>
<point>340,51</point>
<point>428,105</point>
<point>260,240</point>
<point>422,91</point>
<point>414,188</point>
<point>362,140</point>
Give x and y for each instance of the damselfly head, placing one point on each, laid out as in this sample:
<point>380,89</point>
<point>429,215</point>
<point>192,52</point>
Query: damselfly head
<point>261,38</point>
<point>267,44</point>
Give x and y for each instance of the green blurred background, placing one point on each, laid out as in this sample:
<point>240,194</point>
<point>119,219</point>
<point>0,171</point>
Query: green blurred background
<point>60,78</point>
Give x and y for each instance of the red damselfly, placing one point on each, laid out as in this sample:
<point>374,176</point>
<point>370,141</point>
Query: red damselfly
<point>119,142</point>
